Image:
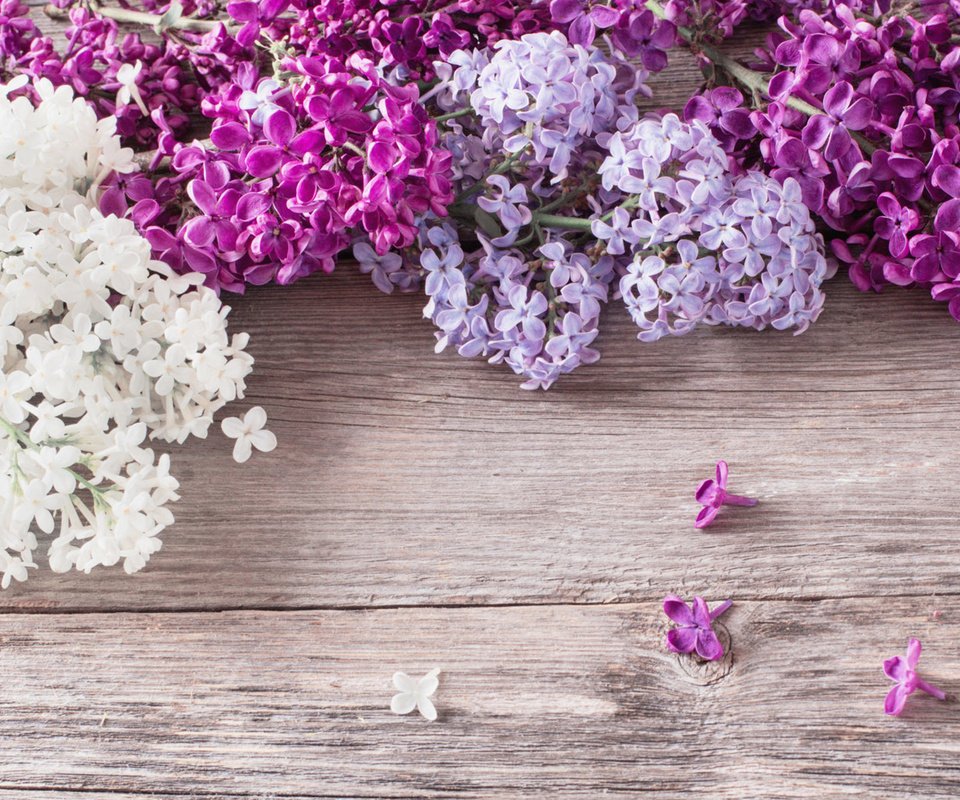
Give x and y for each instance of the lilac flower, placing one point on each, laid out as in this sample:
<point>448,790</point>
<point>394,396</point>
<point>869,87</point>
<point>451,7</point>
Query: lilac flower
<point>507,202</point>
<point>895,223</point>
<point>712,494</point>
<point>442,271</point>
<point>525,310</point>
<point>382,268</point>
<point>259,103</point>
<point>721,109</point>
<point>844,111</point>
<point>695,632</point>
<point>617,233</point>
<point>903,671</point>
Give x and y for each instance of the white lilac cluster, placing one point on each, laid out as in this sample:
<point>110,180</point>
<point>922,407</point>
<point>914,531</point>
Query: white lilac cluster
<point>705,245</point>
<point>100,348</point>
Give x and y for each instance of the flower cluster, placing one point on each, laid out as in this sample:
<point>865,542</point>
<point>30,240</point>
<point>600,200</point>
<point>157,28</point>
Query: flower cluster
<point>295,173</point>
<point>100,347</point>
<point>318,136</point>
<point>646,201</point>
<point>864,113</point>
<point>706,246</point>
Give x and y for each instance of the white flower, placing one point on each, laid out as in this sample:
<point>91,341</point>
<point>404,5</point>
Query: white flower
<point>101,347</point>
<point>127,77</point>
<point>249,433</point>
<point>415,694</point>
<point>259,104</point>
<point>14,388</point>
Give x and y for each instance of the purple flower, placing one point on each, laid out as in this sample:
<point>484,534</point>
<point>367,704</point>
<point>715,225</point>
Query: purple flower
<point>524,311</point>
<point>507,202</point>
<point>712,494</point>
<point>903,671</point>
<point>844,111</point>
<point>695,627</point>
<point>722,110</point>
<point>895,223</point>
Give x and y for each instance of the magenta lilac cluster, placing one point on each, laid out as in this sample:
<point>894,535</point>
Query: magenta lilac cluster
<point>863,111</point>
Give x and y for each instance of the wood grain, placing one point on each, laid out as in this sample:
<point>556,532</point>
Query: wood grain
<point>422,511</point>
<point>562,701</point>
<point>403,477</point>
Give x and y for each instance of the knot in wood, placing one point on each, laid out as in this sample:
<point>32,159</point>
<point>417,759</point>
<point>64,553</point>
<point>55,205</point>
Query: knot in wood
<point>706,673</point>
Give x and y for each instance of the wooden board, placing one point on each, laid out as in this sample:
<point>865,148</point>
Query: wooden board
<point>408,478</point>
<point>558,701</point>
<point>422,511</point>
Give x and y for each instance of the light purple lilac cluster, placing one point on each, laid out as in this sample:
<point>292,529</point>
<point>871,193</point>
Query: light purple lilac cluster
<point>569,192</point>
<point>707,246</point>
<point>864,113</point>
<point>527,290</point>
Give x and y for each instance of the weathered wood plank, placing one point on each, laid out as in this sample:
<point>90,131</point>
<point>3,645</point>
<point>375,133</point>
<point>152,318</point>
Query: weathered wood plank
<point>562,701</point>
<point>403,477</point>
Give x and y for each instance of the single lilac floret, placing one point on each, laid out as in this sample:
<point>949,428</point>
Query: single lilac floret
<point>694,631</point>
<point>712,494</point>
<point>903,671</point>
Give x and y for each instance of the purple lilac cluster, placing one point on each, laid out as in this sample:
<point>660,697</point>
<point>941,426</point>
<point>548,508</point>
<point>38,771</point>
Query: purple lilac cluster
<point>527,291</point>
<point>295,172</point>
<point>316,132</point>
<point>536,313</point>
<point>706,246</point>
<point>864,113</point>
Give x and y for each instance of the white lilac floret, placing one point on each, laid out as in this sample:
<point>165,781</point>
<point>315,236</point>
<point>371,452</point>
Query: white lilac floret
<point>101,349</point>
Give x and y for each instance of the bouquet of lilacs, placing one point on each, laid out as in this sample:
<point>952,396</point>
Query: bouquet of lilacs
<point>492,155</point>
<point>101,347</point>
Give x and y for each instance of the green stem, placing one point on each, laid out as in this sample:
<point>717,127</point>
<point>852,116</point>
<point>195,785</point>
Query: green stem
<point>453,114</point>
<point>354,149</point>
<point>142,18</point>
<point>569,223</point>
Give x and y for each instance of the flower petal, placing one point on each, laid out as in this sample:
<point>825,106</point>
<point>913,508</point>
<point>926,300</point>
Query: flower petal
<point>677,610</point>
<point>404,682</point>
<point>403,703</point>
<point>913,652</point>
<point>264,441</point>
<point>232,427</point>
<point>708,645</point>
<point>682,640</point>
<point>706,491</point>
<point>701,613</point>
<point>427,708</point>
<point>895,701</point>
<point>256,417</point>
<point>706,516</point>
<point>894,668</point>
<point>242,450</point>
<point>723,471</point>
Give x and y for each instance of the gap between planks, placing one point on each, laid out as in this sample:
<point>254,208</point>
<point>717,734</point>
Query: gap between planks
<point>284,609</point>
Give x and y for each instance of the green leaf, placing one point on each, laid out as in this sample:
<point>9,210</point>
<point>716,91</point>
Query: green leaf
<point>488,223</point>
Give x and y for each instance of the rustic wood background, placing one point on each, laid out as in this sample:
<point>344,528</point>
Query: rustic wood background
<point>421,511</point>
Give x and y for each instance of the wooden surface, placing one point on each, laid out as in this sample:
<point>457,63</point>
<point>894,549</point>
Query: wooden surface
<point>421,511</point>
